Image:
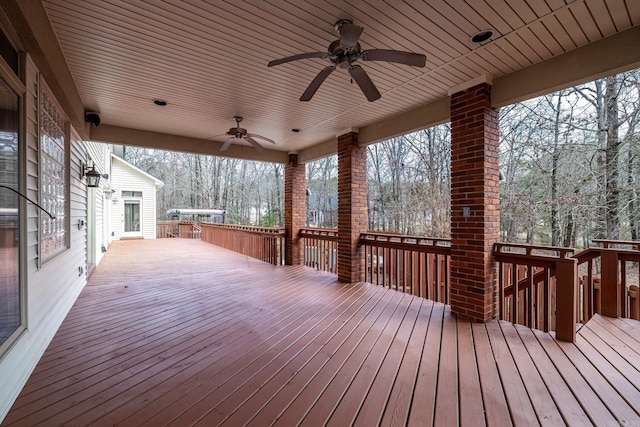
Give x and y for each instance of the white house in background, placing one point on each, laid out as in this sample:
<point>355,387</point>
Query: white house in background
<point>133,202</point>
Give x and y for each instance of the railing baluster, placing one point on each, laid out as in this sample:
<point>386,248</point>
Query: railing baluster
<point>515,298</point>
<point>547,300</point>
<point>623,285</point>
<point>530,297</point>
<point>501,296</point>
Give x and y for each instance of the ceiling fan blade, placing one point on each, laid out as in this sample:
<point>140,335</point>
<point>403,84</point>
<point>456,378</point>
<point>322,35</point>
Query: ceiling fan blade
<point>366,85</point>
<point>297,57</point>
<point>226,135</point>
<point>253,135</point>
<point>316,82</point>
<point>227,143</point>
<point>349,35</point>
<point>254,143</point>
<point>407,58</point>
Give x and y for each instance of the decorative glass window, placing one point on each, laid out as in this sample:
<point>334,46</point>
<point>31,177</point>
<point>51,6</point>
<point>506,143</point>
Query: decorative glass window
<point>53,178</point>
<point>10,298</point>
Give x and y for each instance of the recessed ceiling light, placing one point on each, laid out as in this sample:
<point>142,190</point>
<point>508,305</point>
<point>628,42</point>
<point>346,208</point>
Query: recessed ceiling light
<point>295,130</point>
<point>160,102</point>
<point>482,36</point>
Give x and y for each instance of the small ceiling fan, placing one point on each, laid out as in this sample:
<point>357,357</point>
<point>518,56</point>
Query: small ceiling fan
<point>344,52</point>
<point>238,133</point>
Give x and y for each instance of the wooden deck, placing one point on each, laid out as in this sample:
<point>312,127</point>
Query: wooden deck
<point>180,332</point>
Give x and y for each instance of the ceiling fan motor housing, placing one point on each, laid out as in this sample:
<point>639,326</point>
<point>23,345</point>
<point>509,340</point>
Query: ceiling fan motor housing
<point>237,131</point>
<point>342,55</point>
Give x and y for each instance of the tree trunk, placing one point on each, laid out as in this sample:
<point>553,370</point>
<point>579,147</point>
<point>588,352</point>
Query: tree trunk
<point>612,191</point>
<point>555,226</point>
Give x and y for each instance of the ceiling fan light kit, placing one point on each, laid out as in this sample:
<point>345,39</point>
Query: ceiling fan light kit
<point>344,52</point>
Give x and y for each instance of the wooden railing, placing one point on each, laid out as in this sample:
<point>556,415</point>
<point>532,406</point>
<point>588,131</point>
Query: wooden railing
<point>537,287</point>
<point>167,229</point>
<point>609,278</point>
<point>183,229</point>
<point>266,244</point>
<point>415,265</point>
<point>320,248</point>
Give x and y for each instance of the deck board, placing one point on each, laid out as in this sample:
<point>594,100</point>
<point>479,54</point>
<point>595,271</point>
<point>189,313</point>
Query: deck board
<point>569,407</point>
<point>341,400</point>
<point>400,398</point>
<point>496,410</point>
<point>372,409</point>
<point>195,334</point>
<point>470,400</point>
<point>423,405</point>
<point>447,397</point>
<point>594,407</point>
<point>520,405</point>
<point>541,399</point>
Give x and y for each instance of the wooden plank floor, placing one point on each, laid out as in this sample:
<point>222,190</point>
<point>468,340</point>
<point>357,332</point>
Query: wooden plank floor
<point>180,332</point>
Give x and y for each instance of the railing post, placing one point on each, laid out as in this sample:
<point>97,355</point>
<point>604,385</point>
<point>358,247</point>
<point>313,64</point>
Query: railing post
<point>610,295</point>
<point>566,299</point>
<point>634,303</point>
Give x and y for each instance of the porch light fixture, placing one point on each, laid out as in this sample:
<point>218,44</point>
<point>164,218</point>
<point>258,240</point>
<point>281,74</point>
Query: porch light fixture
<point>93,176</point>
<point>108,194</point>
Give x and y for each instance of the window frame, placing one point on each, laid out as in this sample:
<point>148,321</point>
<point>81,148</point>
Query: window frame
<point>66,162</point>
<point>15,83</point>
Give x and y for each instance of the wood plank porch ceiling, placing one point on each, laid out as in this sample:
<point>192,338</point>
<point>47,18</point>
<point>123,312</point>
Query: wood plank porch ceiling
<point>193,334</point>
<point>208,61</point>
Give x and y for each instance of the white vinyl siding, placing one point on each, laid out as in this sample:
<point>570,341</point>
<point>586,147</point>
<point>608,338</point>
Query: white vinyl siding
<point>127,177</point>
<point>53,287</point>
<point>101,157</point>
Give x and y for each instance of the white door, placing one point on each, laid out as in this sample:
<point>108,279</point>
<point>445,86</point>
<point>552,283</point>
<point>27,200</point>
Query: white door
<point>132,218</point>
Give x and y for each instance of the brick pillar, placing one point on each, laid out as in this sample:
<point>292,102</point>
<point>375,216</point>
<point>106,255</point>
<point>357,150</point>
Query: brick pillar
<point>475,201</point>
<point>295,208</point>
<point>352,207</point>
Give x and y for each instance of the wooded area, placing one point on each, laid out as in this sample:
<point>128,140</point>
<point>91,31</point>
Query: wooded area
<point>569,162</point>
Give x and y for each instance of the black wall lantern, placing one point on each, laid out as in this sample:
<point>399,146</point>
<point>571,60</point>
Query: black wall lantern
<point>93,176</point>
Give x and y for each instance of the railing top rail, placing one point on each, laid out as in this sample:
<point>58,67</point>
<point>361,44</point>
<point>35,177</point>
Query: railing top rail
<point>401,238</point>
<point>606,243</point>
<point>594,252</point>
<point>174,221</point>
<point>275,231</point>
<point>407,243</point>
<point>509,249</point>
<point>323,233</point>
<point>587,254</point>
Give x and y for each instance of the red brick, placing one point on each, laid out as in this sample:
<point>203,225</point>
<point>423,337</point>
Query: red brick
<point>474,183</point>
<point>295,208</point>
<point>352,207</point>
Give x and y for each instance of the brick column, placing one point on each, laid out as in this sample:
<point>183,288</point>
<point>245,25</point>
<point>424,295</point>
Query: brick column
<point>295,208</point>
<point>352,207</point>
<point>475,200</point>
